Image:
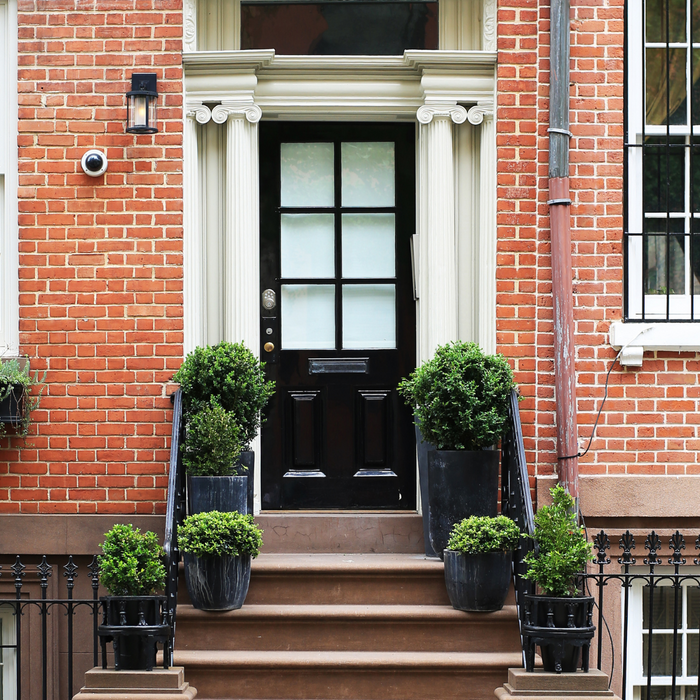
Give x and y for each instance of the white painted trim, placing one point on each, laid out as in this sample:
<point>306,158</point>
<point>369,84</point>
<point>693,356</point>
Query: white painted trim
<point>9,233</point>
<point>674,337</point>
<point>189,19</point>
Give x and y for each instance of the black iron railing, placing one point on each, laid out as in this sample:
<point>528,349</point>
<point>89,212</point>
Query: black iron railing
<point>516,500</point>
<point>174,513</point>
<point>660,623</point>
<point>79,614</point>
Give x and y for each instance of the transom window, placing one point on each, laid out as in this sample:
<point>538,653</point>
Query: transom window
<point>662,161</point>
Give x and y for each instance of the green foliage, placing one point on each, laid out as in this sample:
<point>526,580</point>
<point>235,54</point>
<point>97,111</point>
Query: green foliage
<point>233,376</point>
<point>460,397</point>
<point>212,442</point>
<point>16,379</point>
<point>562,550</point>
<point>214,534</point>
<point>132,563</point>
<point>477,534</point>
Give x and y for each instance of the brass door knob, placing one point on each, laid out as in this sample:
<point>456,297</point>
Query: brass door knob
<point>269,347</point>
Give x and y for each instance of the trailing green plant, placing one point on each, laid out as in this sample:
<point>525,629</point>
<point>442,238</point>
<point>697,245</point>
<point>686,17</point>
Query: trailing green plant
<point>460,397</point>
<point>562,551</point>
<point>215,534</point>
<point>16,381</point>
<point>478,534</point>
<point>212,442</point>
<point>132,562</point>
<point>233,376</point>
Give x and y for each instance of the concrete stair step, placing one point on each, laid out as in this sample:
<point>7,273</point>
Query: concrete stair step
<point>348,628</point>
<point>369,675</point>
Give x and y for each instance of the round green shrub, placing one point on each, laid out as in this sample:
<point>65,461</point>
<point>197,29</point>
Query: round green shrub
<point>212,442</point>
<point>233,376</point>
<point>478,534</point>
<point>132,562</point>
<point>562,551</point>
<point>214,534</point>
<point>461,397</point>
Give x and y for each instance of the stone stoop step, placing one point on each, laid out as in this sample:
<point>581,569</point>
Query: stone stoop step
<point>347,627</point>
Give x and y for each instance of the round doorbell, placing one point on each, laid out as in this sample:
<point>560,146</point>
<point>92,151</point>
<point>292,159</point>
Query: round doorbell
<point>94,163</point>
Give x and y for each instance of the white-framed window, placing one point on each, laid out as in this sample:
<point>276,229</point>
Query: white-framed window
<point>687,640</point>
<point>9,257</point>
<point>662,160</point>
<point>8,654</point>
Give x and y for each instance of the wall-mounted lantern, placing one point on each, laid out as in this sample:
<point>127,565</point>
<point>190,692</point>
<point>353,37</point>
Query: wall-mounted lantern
<point>141,115</point>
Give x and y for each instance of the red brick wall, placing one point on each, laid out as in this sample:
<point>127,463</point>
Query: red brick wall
<point>649,423</point>
<point>100,259</point>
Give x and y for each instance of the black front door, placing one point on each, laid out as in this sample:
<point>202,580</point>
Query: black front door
<point>337,314</point>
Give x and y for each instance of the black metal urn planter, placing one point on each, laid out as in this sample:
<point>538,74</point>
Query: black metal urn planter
<point>135,625</point>
<point>218,548</point>
<point>222,493</point>
<point>460,483</point>
<point>562,628</point>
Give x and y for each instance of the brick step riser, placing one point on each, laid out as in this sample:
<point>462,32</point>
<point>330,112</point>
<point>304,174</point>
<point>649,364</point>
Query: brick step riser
<point>285,635</point>
<point>345,684</point>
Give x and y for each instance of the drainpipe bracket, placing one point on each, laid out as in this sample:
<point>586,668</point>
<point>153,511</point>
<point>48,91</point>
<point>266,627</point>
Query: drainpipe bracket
<point>555,130</point>
<point>565,200</point>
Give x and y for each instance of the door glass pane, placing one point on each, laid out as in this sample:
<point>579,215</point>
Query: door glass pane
<point>666,86</point>
<point>306,171</point>
<point>368,245</point>
<point>663,607</point>
<point>657,11</point>
<point>693,604</point>
<point>369,316</point>
<point>368,174</point>
<point>661,655</point>
<point>308,317</point>
<point>307,245</point>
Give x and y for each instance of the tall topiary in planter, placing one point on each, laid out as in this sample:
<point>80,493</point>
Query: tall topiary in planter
<point>478,562</point>
<point>132,570</point>
<point>218,548</point>
<point>560,621</point>
<point>229,375</point>
<point>460,398</point>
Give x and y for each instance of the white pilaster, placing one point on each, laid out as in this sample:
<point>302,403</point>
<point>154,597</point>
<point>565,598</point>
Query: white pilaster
<point>438,259</point>
<point>482,114</point>
<point>488,40</point>
<point>193,243</point>
<point>241,240</point>
<point>189,19</point>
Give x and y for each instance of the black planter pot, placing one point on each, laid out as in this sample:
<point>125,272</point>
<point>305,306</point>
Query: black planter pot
<point>562,628</point>
<point>135,625</point>
<point>460,483</point>
<point>12,406</point>
<point>223,493</point>
<point>477,582</point>
<point>217,583</point>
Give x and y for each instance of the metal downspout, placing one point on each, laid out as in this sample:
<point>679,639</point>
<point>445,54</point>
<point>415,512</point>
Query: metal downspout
<point>560,227</point>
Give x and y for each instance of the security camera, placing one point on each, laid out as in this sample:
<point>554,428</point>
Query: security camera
<point>94,163</point>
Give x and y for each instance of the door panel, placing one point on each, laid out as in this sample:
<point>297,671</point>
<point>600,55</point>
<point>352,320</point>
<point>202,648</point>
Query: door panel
<point>337,314</point>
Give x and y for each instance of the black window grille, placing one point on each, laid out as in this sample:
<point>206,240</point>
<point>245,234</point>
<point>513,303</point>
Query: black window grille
<point>662,160</point>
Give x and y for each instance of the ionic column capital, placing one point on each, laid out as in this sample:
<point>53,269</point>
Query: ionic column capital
<point>247,110</point>
<point>198,111</point>
<point>427,113</point>
<point>479,112</point>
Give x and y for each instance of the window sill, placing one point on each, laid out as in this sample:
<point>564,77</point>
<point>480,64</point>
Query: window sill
<point>636,338</point>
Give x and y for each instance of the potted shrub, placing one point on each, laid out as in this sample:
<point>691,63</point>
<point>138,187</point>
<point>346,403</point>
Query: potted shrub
<point>560,619</point>
<point>218,548</point>
<point>132,570</point>
<point>16,401</point>
<point>460,398</point>
<point>231,376</point>
<point>478,560</point>
<point>210,454</point>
